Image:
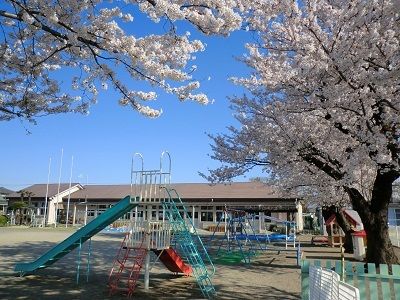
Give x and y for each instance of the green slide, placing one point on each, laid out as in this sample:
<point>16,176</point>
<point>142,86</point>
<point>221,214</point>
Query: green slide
<point>80,236</point>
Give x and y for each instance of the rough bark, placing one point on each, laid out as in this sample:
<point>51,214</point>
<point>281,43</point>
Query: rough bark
<point>379,247</point>
<point>343,223</point>
<point>347,229</point>
<point>374,217</point>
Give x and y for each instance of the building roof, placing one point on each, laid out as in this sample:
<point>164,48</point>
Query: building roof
<point>354,217</point>
<point>102,192</point>
<point>39,190</point>
<point>351,216</point>
<point>254,195</point>
<point>237,190</point>
<point>187,191</point>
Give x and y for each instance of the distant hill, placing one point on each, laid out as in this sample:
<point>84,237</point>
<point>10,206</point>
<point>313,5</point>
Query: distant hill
<point>4,191</point>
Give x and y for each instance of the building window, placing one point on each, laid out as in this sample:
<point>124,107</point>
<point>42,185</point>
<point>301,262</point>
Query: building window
<point>196,214</point>
<point>396,193</point>
<point>206,216</point>
<point>267,214</point>
<point>394,216</point>
<point>203,208</point>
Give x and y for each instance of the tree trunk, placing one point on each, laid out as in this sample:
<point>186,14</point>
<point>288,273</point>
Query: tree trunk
<point>379,246</point>
<point>346,227</point>
<point>374,217</point>
<point>343,223</point>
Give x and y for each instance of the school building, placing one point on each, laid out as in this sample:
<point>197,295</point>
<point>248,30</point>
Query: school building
<point>204,203</point>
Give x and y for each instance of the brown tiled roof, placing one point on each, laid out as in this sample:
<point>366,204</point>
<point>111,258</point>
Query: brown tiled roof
<point>39,190</point>
<point>187,191</point>
<point>236,190</point>
<point>102,192</point>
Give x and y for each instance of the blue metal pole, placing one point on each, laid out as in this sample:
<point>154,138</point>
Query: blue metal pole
<point>78,261</point>
<point>88,260</point>
<point>298,254</point>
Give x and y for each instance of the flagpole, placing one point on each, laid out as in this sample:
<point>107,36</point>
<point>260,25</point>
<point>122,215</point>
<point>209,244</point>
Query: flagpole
<point>58,190</point>
<point>47,195</point>
<point>69,191</point>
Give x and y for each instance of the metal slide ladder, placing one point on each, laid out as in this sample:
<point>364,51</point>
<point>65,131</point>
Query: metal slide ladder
<point>189,246</point>
<point>126,268</point>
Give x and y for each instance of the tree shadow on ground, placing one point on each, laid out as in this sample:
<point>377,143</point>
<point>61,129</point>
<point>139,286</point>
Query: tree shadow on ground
<point>59,281</point>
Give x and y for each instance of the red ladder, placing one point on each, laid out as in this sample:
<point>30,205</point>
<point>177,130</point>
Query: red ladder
<point>126,268</point>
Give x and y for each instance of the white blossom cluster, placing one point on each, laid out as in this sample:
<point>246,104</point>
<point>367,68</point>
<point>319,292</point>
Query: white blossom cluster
<point>88,40</point>
<point>324,113</point>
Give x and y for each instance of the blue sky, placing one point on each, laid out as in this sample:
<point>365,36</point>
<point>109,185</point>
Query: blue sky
<point>103,142</point>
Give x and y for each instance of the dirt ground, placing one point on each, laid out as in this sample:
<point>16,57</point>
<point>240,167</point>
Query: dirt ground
<point>269,275</point>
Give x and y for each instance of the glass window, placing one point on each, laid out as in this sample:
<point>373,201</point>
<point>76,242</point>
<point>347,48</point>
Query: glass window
<point>397,216</point>
<point>206,216</point>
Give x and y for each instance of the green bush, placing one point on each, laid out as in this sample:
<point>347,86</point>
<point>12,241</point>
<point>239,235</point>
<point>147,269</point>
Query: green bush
<point>3,220</point>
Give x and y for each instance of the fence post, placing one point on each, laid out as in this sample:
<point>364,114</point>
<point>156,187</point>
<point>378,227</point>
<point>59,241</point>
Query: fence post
<point>305,280</point>
<point>384,270</point>
<point>298,254</point>
<point>373,282</point>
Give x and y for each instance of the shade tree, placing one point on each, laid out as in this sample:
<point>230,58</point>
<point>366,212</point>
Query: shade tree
<point>324,105</point>
<point>96,45</point>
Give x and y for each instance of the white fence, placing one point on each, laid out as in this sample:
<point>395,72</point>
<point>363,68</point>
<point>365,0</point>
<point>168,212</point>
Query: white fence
<point>155,235</point>
<point>326,285</point>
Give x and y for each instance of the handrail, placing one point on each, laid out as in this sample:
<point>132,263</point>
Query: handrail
<point>136,174</point>
<point>213,270</point>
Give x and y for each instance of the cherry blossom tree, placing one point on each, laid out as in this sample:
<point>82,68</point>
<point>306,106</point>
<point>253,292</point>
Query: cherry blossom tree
<point>88,41</point>
<point>324,105</point>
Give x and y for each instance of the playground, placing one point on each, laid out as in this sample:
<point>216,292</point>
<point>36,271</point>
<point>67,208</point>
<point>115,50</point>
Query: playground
<point>269,276</point>
<point>160,256</point>
<point>157,256</point>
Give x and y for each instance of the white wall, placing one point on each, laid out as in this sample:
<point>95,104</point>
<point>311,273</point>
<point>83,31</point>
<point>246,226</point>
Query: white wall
<point>57,199</point>
<point>299,217</point>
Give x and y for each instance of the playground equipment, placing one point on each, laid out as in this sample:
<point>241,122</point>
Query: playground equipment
<point>286,234</point>
<point>78,238</point>
<point>276,240</point>
<point>169,236</point>
<point>148,233</point>
<point>239,240</point>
